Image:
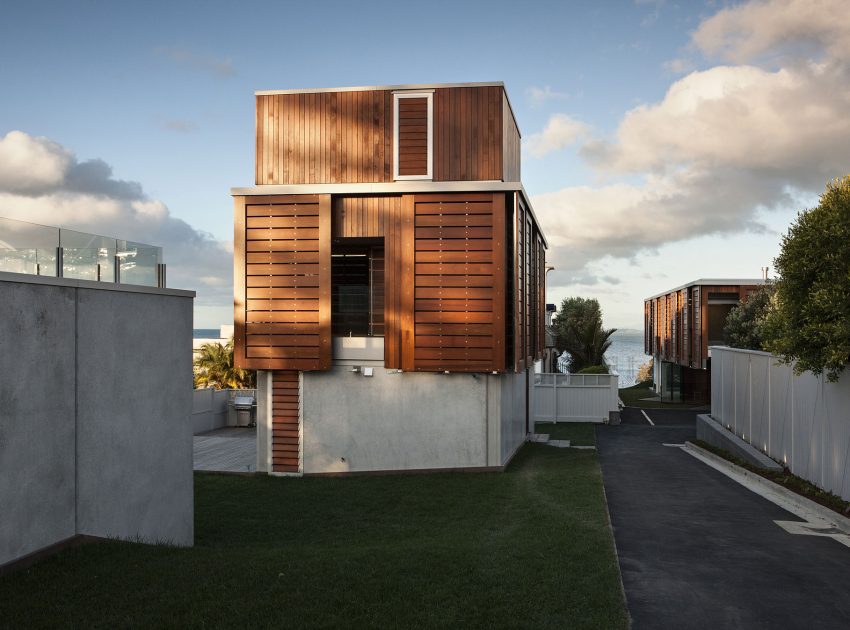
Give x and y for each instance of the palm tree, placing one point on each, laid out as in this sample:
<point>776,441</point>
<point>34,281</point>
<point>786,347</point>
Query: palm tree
<point>214,368</point>
<point>587,343</point>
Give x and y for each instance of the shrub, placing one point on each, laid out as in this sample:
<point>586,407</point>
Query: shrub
<point>745,324</point>
<point>644,374</point>
<point>810,323</point>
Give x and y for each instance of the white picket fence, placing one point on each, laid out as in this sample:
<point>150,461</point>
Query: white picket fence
<point>574,397</point>
<point>801,421</point>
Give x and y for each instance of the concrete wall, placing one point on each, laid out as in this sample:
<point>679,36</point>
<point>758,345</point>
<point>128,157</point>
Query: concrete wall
<point>95,404</point>
<point>800,421</point>
<point>209,409</point>
<point>407,421</point>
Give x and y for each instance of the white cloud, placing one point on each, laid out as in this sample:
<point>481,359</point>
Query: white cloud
<point>58,190</point>
<point>745,32</point>
<point>719,150</point>
<point>29,164</point>
<point>560,132</point>
<point>539,96</point>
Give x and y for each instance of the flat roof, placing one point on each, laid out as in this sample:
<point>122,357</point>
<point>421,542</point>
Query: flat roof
<point>408,86</point>
<point>717,282</point>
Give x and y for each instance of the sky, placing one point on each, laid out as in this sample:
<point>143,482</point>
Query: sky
<point>662,141</point>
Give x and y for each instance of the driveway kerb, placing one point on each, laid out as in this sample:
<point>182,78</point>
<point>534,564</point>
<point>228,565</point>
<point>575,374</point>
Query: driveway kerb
<point>783,497</point>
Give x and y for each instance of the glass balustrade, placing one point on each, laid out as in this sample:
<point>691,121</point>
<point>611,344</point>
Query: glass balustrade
<point>48,251</point>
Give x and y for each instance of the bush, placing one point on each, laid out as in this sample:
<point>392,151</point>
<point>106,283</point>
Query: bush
<point>745,324</point>
<point>810,323</point>
<point>578,331</point>
<point>594,369</point>
<point>644,375</point>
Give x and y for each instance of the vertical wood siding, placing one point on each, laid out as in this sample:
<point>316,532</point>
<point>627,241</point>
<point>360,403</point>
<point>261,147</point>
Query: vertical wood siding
<point>286,436</point>
<point>282,306</point>
<point>347,137</point>
<point>511,140</point>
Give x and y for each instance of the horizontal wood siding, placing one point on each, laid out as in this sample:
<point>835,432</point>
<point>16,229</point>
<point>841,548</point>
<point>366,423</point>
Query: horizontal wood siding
<point>458,283</point>
<point>413,136</point>
<point>286,433</point>
<point>511,140</point>
<point>282,276</point>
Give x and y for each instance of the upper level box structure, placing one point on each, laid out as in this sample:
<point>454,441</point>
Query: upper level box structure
<point>379,134</point>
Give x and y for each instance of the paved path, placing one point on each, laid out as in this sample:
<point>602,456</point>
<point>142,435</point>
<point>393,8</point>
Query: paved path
<point>698,550</point>
<point>226,450</point>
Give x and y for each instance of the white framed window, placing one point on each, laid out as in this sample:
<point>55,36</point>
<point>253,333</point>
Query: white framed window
<point>413,135</point>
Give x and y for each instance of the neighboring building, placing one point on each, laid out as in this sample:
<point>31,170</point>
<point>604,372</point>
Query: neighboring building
<point>389,279</point>
<point>679,327</point>
<point>225,332</point>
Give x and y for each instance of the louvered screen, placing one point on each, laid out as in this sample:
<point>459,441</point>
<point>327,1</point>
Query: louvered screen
<point>412,136</point>
<point>459,271</point>
<point>286,435</point>
<point>286,314</point>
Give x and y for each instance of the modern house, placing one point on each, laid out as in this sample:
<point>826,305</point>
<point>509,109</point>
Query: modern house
<point>389,279</point>
<point>679,327</point>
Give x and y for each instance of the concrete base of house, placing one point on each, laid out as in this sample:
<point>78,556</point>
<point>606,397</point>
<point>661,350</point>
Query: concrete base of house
<point>709,430</point>
<point>387,421</point>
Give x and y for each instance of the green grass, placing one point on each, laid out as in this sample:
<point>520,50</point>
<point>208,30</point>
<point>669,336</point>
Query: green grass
<point>632,397</point>
<point>528,548</point>
<point>578,433</point>
<point>786,479</point>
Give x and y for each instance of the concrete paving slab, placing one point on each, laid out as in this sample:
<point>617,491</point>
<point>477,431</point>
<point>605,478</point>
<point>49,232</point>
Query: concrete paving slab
<point>698,550</point>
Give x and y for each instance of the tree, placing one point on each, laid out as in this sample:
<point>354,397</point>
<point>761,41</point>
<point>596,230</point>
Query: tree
<point>645,372</point>
<point>214,368</point>
<point>579,331</point>
<point>810,323</point>
<point>745,324</point>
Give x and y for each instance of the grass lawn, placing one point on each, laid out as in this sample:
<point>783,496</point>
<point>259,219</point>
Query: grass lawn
<point>632,397</point>
<point>528,548</point>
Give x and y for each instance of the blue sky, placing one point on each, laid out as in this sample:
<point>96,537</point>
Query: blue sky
<point>163,94</point>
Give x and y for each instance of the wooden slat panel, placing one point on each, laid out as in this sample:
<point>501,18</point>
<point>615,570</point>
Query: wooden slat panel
<point>408,281</point>
<point>286,442</point>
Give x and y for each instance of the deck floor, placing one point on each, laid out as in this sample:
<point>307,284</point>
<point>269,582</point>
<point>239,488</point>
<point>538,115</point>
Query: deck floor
<point>230,449</point>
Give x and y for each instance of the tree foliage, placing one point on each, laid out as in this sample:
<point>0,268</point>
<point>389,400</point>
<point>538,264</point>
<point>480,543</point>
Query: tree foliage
<point>214,368</point>
<point>745,324</point>
<point>578,331</point>
<point>810,323</point>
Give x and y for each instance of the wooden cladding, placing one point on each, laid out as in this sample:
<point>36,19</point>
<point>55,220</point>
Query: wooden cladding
<point>453,302</point>
<point>286,433</point>
<point>461,279</point>
<point>413,136</point>
<point>282,281</point>
<point>347,137</point>
<point>677,324</point>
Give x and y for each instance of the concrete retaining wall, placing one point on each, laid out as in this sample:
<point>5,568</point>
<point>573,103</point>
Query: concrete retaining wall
<point>800,421</point>
<point>95,430</point>
<point>209,409</point>
<point>409,421</point>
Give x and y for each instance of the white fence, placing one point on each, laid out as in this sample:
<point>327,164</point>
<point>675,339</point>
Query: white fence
<point>574,397</point>
<point>801,421</point>
<point>211,408</point>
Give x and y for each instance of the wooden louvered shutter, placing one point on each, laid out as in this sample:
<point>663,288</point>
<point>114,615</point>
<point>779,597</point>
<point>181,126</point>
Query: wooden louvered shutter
<point>283,282</point>
<point>458,277</point>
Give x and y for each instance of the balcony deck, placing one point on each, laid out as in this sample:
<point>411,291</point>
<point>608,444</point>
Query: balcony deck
<point>231,449</point>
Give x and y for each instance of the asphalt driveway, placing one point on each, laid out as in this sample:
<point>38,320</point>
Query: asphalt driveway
<point>698,550</point>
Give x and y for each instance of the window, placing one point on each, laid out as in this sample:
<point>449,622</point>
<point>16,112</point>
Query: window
<point>413,140</point>
<point>357,290</point>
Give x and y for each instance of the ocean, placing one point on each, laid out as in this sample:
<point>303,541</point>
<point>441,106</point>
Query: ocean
<point>625,356</point>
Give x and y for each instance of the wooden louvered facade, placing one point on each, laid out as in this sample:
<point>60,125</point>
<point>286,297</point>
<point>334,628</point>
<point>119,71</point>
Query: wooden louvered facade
<point>386,218</point>
<point>462,277</point>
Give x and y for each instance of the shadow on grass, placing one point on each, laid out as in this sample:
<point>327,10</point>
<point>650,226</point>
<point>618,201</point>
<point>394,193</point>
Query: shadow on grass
<point>530,547</point>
